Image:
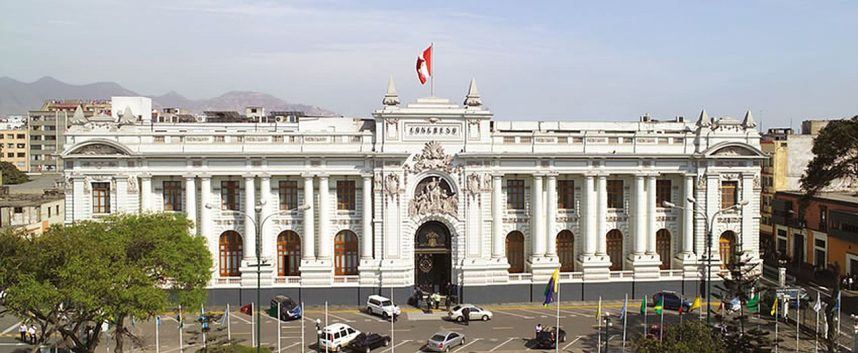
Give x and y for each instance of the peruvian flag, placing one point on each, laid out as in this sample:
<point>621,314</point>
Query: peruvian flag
<point>424,65</point>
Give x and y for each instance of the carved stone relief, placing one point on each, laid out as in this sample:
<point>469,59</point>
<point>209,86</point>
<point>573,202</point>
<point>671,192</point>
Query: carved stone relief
<point>433,195</point>
<point>391,185</point>
<point>98,150</point>
<point>433,157</point>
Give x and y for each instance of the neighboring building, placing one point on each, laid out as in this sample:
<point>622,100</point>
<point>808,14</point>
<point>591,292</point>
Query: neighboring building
<point>13,122</point>
<point>15,148</point>
<point>432,193</point>
<point>47,126</point>
<point>32,213</point>
<point>825,233</point>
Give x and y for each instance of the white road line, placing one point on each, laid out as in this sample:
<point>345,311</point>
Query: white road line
<point>572,313</point>
<point>290,346</point>
<point>543,314</point>
<point>504,342</point>
<point>11,328</point>
<point>573,342</point>
<point>373,317</point>
<point>468,344</point>
<point>240,318</point>
<point>177,348</point>
<point>340,318</point>
<point>503,328</point>
<point>13,344</point>
<point>516,315</point>
<point>396,345</point>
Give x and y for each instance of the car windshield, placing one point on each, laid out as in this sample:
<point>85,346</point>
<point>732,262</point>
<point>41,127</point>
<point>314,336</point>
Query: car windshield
<point>437,338</point>
<point>456,308</point>
<point>386,303</point>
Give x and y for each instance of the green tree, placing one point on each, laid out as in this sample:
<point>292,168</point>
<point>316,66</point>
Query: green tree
<point>835,152</point>
<point>11,174</point>
<point>741,280</point>
<point>687,337</point>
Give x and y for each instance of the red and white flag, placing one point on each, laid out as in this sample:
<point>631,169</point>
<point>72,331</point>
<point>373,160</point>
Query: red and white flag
<point>424,65</point>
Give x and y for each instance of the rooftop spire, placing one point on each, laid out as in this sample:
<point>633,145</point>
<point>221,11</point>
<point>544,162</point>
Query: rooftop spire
<point>390,98</point>
<point>704,119</point>
<point>473,97</point>
<point>749,122</point>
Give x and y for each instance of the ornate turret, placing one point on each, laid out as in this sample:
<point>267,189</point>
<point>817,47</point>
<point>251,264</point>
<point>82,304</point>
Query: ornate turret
<point>127,117</point>
<point>703,120</point>
<point>748,122</point>
<point>390,98</point>
<point>78,118</point>
<point>473,97</point>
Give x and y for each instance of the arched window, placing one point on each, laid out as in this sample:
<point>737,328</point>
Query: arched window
<point>346,253</point>
<point>662,247</point>
<point>288,254</point>
<point>614,240</point>
<point>230,253</point>
<point>725,247</point>
<point>566,251</point>
<point>515,251</point>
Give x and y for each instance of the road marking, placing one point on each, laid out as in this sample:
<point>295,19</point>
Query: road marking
<point>11,328</point>
<point>340,318</point>
<point>516,315</point>
<point>542,314</point>
<point>504,342</point>
<point>573,342</point>
<point>503,328</point>
<point>177,348</point>
<point>371,317</point>
<point>13,344</point>
<point>572,313</point>
<point>290,346</point>
<point>240,318</point>
<point>396,345</point>
<point>468,344</point>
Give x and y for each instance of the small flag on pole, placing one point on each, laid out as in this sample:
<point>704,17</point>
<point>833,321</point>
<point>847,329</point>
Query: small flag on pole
<point>695,304</point>
<point>551,288</point>
<point>624,308</point>
<point>157,320</point>
<point>599,311</point>
<point>753,304</point>
<point>424,65</point>
<point>643,306</point>
<point>774,307</point>
<point>659,305</point>
<point>818,305</point>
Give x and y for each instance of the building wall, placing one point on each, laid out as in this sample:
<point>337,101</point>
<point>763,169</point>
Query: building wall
<point>46,130</point>
<point>16,148</point>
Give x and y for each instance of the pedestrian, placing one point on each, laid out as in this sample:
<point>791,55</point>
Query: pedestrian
<point>428,300</point>
<point>466,316</point>
<point>32,332</point>
<point>850,282</point>
<point>436,299</point>
<point>538,329</point>
<point>22,330</point>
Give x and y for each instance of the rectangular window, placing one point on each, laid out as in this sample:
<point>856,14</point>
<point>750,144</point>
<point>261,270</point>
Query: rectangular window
<point>173,196</point>
<point>346,195</point>
<point>229,195</point>
<point>729,194</point>
<point>823,218</point>
<point>100,198</point>
<point>288,194</point>
<point>662,192</point>
<point>515,194</point>
<point>49,212</point>
<point>566,194</point>
<point>615,194</point>
<point>819,256</point>
<point>18,210</point>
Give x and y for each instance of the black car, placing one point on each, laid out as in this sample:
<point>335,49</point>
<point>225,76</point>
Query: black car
<point>671,301</point>
<point>547,339</point>
<point>289,310</point>
<point>366,342</point>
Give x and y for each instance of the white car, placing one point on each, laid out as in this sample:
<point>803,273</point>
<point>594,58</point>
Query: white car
<point>378,305</point>
<point>476,313</point>
<point>335,337</point>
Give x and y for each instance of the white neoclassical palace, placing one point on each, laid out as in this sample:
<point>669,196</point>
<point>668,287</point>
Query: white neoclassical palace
<point>428,193</point>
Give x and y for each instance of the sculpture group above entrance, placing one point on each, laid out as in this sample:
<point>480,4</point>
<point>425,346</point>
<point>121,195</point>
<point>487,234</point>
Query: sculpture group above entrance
<point>433,195</point>
<point>433,157</point>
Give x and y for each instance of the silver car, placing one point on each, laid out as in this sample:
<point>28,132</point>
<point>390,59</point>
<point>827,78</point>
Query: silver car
<point>443,341</point>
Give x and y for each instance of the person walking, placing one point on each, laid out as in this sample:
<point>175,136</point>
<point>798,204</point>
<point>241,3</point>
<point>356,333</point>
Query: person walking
<point>32,332</point>
<point>22,330</point>
<point>466,316</point>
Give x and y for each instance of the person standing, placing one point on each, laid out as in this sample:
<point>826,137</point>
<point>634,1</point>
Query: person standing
<point>538,329</point>
<point>32,332</point>
<point>22,330</point>
<point>466,316</point>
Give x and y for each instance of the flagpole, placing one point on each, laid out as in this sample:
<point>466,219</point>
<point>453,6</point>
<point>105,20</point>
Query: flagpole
<point>277,319</point>
<point>599,327</point>
<point>252,324</point>
<point>625,319</point>
<point>661,325</point>
<point>326,322</point>
<point>302,327</point>
<point>392,341</point>
<point>202,318</point>
<point>432,74</point>
<point>557,326</point>
<point>644,315</point>
<point>228,328</point>
<point>797,318</point>
<point>816,331</point>
<point>158,329</point>
<point>181,321</point>
<point>776,325</point>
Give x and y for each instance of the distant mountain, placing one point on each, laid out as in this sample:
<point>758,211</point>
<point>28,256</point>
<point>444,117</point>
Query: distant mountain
<point>18,97</point>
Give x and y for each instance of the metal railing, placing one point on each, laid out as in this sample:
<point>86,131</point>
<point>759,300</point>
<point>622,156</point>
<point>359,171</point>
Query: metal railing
<point>288,280</point>
<point>228,280</point>
<point>670,273</point>
<point>520,277</point>
<point>622,274</point>
<point>346,279</point>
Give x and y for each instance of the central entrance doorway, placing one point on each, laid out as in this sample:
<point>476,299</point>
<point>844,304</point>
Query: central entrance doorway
<point>432,262</point>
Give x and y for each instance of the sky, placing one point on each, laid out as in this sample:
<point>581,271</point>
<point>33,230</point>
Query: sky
<point>785,60</point>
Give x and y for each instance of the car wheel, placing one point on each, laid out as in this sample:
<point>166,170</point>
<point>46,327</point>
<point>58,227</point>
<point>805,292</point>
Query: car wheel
<point>447,349</point>
<point>384,315</point>
<point>368,310</point>
<point>463,342</point>
<point>460,318</point>
<point>367,349</point>
<point>387,342</point>
<point>485,318</point>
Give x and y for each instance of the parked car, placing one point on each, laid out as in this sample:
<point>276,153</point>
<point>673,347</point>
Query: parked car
<point>476,313</point>
<point>337,336</point>
<point>672,301</point>
<point>366,342</point>
<point>547,338</point>
<point>442,341</point>
<point>378,305</point>
<point>289,310</point>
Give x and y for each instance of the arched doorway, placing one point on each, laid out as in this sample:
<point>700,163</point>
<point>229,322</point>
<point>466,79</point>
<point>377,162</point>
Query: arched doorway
<point>230,249</point>
<point>346,253</point>
<point>662,247</point>
<point>614,248</point>
<point>432,261</point>
<point>725,247</point>
<point>566,251</point>
<point>288,254</point>
<point>515,251</point>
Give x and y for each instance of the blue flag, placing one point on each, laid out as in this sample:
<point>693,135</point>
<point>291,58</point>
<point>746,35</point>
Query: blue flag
<point>157,320</point>
<point>623,309</point>
<point>552,287</point>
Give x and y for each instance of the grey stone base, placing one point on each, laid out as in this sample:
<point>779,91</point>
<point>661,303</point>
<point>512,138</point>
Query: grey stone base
<point>352,296</point>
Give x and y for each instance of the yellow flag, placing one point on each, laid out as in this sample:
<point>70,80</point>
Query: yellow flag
<point>774,307</point>
<point>695,305</point>
<point>599,311</point>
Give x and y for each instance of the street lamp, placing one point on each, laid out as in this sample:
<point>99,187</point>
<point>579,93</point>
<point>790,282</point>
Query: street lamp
<point>318,334</point>
<point>709,224</point>
<point>608,324</point>
<point>258,231</point>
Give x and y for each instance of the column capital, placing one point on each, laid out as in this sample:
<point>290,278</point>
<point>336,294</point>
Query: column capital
<point>498,175</point>
<point>539,174</point>
<point>307,176</point>
<point>366,175</point>
<point>265,176</point>
<point>145,175</point>
<point>205,176</point>
<point>323,176</point>
<point>189,176</point>
<point>552,175</point>
<point>249,176</point>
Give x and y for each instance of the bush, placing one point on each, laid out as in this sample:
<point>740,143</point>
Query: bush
<point>232,348</point>
<point>11,174</point>
<point>689,337</point>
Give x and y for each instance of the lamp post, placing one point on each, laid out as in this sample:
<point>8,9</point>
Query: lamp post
<point>607,319</point>
<point>258,231</point>
<point>318,334</point>
<point>709,224</point>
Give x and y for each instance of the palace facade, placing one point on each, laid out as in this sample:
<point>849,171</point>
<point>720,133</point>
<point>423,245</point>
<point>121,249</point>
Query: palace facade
<point>430,193</point>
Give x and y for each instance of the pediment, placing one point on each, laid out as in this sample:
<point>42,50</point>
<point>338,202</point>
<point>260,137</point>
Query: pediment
<point>733,149</point>
<point>99,149</point>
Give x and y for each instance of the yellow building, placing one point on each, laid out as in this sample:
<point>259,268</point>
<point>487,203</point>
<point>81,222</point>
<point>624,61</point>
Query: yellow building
<point>15,148</point>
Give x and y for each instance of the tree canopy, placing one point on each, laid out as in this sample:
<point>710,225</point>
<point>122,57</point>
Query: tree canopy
<point>11,174</point>
<point>835,152</point>
<point>687,337</point>
<point>73,278</point>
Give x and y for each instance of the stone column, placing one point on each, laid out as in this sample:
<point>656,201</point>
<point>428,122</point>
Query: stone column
<point>651,207</point>
<point>688,217</point>
<point>590,216</point>
<point>146,193</point>
<point>205,199</point>
<point>366,218</point>
<point>250,218</point>
<point>537,218</point>
<point>551,215</point>
<point>191,201</point>
<point>325,246</point>
<point>267,206</point>
<point>308,247</point>
<point>497,217</point>
<point>640,216</point>
<point>601,213</point>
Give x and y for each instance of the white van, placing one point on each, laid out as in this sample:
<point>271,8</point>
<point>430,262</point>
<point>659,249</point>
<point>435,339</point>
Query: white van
<point>378,305</point>
<point>337,336</point>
